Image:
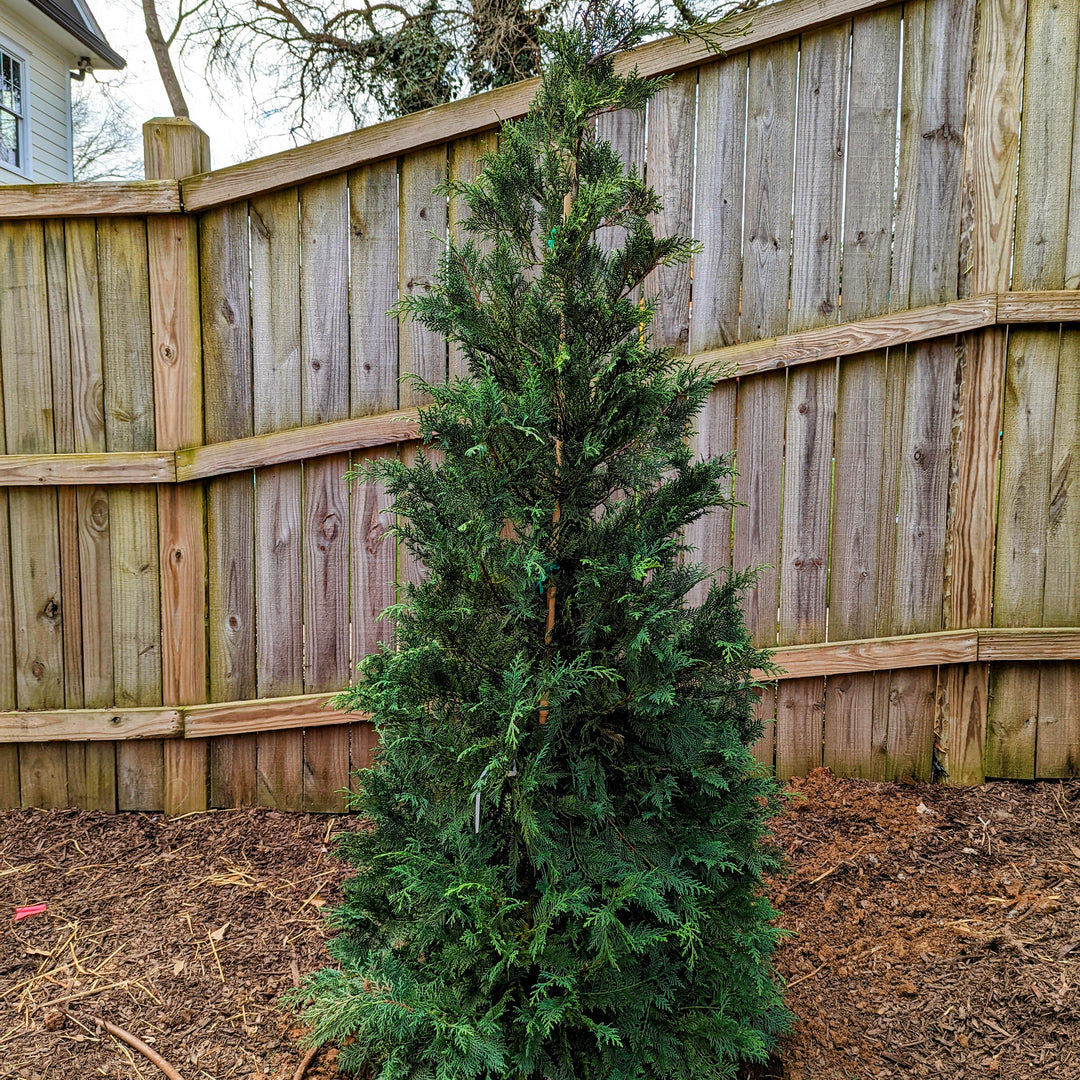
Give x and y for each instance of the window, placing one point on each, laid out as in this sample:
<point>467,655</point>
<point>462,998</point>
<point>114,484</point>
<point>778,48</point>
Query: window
<point>12,112</point>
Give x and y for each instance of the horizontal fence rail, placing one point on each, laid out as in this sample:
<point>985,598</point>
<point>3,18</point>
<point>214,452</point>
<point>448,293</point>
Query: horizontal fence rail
<point>1037,644</point>
<point>298,444</point>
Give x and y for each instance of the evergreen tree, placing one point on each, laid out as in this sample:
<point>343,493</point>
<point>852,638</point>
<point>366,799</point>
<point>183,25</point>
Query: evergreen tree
<point>563,875</point>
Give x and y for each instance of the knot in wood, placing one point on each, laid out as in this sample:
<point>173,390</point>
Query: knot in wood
<point>37,669</point>
<point>51,610</point>
<point>168,354</point>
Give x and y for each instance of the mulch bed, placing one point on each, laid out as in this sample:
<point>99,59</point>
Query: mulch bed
<point>936,932</point>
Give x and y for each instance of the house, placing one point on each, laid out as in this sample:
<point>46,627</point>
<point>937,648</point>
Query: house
<point>43,45</point>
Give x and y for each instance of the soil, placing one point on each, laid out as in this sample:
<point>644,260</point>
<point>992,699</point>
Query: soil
<point>935,931</point>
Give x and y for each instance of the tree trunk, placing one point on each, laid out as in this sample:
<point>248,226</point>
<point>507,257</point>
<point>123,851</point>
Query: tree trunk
<point>164,60</point>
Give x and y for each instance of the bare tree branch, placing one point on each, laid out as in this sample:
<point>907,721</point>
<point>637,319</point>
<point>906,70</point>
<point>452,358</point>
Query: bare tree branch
<point>160,44</point>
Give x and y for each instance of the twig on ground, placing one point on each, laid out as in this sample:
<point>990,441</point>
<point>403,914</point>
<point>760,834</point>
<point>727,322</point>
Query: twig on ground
<point>303,1066</point>
<point>803,978</point>
<point>137,1044</point>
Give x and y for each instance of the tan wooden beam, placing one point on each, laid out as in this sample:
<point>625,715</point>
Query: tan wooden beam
<point>847,339</point>
<point>29,470</point>
<point>70,725</point>
<point>279,447</point>
<point>877,654</point>
<point>1041,643</point>
<point>1034,644</point>
<point>482,112</point>
<point>96,199</point>
<point>268,714</point>
<point>1046,306</point>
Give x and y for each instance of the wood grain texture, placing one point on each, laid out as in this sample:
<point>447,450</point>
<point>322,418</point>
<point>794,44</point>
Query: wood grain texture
<point>33,523</point>
<point>815,293</point>
<point>280,713</point>
<point>66,725</point>
<point>374,339</point>
<point>275,298</point>
<point>324,336</point>
<point>718,203</point>
<point>993,131</point>
<point>1037,306</point>
<point>421,214</point>
<point>1058,735</point>
<point>91,766</point>
<point>174,148</point>
<point>858,513</point>
<point>225,297</point>
<point>670,172</point>
<point>64,440</point>
<point>718,200</point>
<point>133,532</point>
<point>925,262</point>
<point>51,470</point>
<point>89,200</point>
<point>373,254</point>
<point>625,130</point>
<point>1039,262</point>
<point>485,111</point>
<point>770,140</point>
<point>463,164</point>
<point>299,443</point>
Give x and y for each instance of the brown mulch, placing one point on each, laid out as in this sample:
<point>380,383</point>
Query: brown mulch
<point>936,932</point>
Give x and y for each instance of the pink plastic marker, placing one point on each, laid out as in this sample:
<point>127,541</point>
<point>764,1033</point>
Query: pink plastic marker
<point>30,909</point>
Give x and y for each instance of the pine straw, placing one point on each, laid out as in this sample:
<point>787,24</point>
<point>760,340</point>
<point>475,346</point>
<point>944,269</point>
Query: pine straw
<point>183,932</point>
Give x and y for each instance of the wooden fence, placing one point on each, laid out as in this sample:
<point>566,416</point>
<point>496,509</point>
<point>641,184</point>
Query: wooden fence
<point>190,365</point>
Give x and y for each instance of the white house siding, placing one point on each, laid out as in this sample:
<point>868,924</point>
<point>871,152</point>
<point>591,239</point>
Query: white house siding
<point>50,87</point>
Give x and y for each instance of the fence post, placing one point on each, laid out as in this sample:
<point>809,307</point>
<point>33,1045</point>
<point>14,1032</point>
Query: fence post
<point>991,151</point>
<point>174,148</point>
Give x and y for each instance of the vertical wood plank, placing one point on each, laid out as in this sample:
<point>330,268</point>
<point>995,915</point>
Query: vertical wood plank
<point>175,148</point>
<point>625,130</point>
<point>770,139</point>
<point>34,528</point>
<point>670,172</point>
<point>463,161</point>
<point>67,501</point>
<point>858,512</point>
<point>133,522</point>
<point>1058,735</point>
<point>324,336</point>
<point>227,367</point>
<point>815,300</point>
<point>374,356</point>
<point>925,270</point>
<point>422,352</point>
<point>718,199</point>
<point>91,765</point>
<point>992,147</point>
<point>275,299</point>
<point>1039,262</point>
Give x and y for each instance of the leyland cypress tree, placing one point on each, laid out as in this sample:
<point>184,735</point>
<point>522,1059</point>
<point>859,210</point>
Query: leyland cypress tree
<point>562,878</point>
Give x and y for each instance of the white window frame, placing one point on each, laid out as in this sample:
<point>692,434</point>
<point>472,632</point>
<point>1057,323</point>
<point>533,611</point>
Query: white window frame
<point>17,52</point>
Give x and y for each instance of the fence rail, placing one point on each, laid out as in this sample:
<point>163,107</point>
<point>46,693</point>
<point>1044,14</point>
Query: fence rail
<point>191,364</point>
<point>392,428</point>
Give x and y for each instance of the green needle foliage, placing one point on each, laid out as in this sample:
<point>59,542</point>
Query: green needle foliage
<point>563,875</point>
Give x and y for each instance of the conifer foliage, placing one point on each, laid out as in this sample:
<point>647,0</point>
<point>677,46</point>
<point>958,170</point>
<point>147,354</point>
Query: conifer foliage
<point>562,878</point>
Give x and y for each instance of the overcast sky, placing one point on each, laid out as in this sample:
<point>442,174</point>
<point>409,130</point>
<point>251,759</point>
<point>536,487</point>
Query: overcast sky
<point>237,130</point>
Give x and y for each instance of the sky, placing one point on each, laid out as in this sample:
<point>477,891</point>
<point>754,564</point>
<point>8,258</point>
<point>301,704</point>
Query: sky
<point>238,130</point>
